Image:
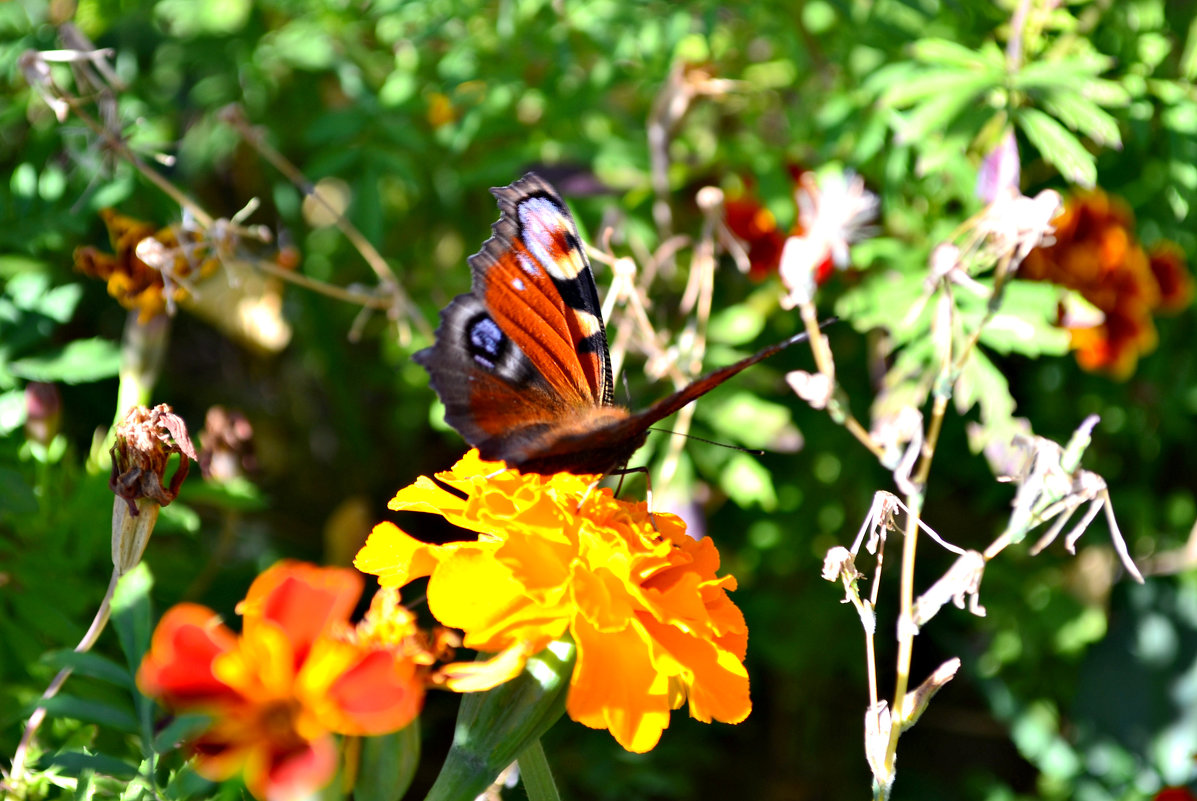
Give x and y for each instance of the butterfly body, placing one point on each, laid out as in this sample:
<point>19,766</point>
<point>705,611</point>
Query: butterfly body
<point>521,361</point>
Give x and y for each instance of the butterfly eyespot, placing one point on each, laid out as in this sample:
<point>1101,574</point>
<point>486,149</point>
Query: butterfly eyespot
<point>487,341</point>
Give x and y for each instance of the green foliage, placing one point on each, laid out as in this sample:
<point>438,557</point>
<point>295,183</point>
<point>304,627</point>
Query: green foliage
<point>418,107</point>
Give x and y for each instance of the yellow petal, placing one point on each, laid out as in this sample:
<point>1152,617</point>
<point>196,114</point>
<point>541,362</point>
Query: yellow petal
<point>469,677</point>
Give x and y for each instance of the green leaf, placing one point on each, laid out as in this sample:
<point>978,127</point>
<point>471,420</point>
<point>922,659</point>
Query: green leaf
<point>80,362</point>
<point>131,613</point>
<point>982,383</point>
<point>748,483</point>
<point>76,762</point>
<point>1058,146</point>
<point>1026,321</point>
<point>937,113</point>
<point>388,764</point>
<point>946,51</point>
<point>1068,73</point>
<point>1188,59</point>
<point>178,730</point>
<point>736,325</point>
<point>772,426</point>
<point>91,665</point>
<point>89,711</point>
<point>59,303</point>
<point>12,410</point>
<point>961,85</point>
<point>1085,116</point>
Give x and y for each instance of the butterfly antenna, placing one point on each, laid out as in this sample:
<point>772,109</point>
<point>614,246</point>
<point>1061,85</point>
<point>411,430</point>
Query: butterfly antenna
<point>753,451</point>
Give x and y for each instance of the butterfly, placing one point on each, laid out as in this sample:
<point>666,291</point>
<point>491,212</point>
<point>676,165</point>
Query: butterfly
<point>521,361</point>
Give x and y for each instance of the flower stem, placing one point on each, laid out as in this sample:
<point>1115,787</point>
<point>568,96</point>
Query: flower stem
<point>536,775</point>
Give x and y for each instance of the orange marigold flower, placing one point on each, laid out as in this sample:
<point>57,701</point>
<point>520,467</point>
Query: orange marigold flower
<point>296,675</point>
<point>639,602</point>
<point>1167,263</point>
<point>1097,254</point>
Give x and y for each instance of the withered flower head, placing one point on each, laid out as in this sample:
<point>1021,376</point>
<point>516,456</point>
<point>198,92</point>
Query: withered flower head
<point>227,443</point>
<point>145,439</point>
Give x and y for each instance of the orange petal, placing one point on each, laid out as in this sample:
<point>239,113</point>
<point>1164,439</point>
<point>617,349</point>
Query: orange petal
<point>305,601</point>
<point>178,667</point>
<point>380,693</point>
<point>615,686</point>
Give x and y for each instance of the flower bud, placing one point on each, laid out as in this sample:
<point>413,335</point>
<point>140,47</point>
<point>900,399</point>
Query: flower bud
<point>494,727</point>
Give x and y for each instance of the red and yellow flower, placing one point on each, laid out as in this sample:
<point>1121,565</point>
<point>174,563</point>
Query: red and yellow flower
<point>298,673</point>
<point>653,624</point>
<point>1097,254</point>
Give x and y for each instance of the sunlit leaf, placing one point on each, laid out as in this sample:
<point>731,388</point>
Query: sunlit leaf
<point>1057,145</point>
<point>80,362</point>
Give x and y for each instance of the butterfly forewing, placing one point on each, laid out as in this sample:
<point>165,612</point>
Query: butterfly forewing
<point>537,283</point>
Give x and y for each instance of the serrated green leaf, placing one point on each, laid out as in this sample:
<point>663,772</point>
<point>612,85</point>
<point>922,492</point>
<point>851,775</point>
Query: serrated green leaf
<point>890,75</point>
<point>981,383</point>
<point>1085,116</point>
<point>1106,93</point>
<point>1058,146</point>
<point>89,664</point>
<point>80,362</point>
<point>937,113</point>
<point>883,301</point>
<point>946,51</point>
<point>75,762</point>
<point>1060,73</point>
<point>89,711</point>
<point>961,85</point>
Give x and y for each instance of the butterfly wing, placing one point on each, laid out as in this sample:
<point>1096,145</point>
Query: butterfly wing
<point>524,353</point>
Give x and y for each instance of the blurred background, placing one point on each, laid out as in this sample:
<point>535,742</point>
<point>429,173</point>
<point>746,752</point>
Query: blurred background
<point>1077,684</point>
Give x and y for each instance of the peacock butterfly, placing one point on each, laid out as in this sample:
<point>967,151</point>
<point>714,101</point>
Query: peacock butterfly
<point>521,361</point>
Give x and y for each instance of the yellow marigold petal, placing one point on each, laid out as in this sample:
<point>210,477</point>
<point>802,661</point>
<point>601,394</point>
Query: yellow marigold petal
<point>473,591</point>
<point>396,557</point>
<point>615,686</point>
<point>469,677</point>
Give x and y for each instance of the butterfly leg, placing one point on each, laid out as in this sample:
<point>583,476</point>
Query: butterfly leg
<point>648,492</point>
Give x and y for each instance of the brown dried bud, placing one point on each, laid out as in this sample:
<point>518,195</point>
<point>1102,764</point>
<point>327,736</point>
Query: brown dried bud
<point>227,445</point>
<point>144,441</point>
<point>43,412</point>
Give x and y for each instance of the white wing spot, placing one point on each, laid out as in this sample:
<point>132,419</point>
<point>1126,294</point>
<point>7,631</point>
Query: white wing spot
<point>528,265</point>
<point>518,284</point>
